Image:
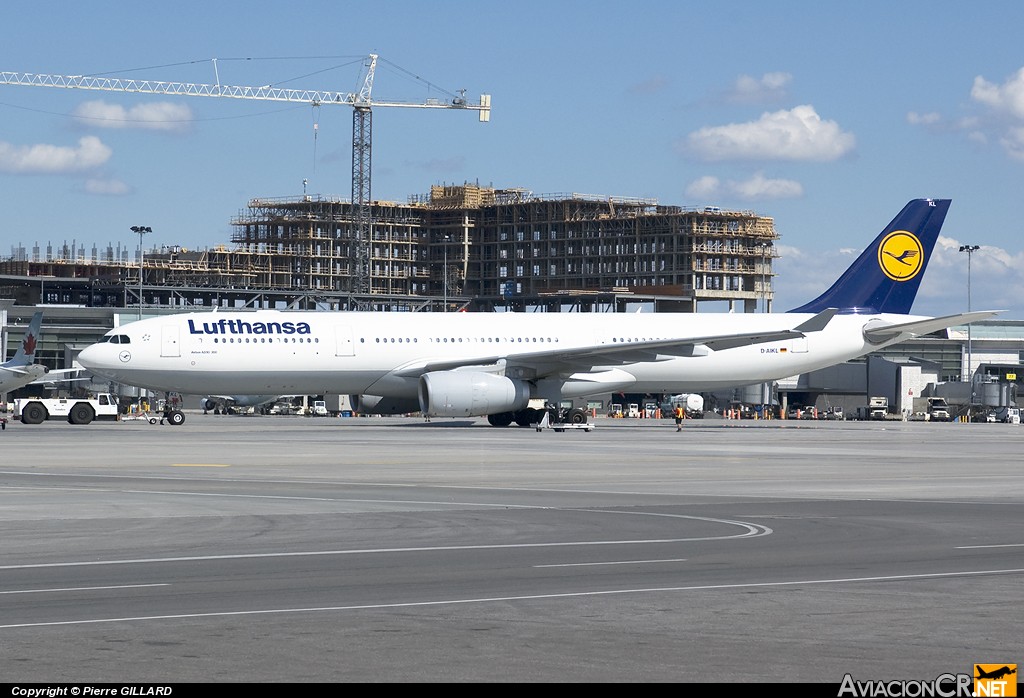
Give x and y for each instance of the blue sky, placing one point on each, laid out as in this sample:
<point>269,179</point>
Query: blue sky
<point>827,117</point>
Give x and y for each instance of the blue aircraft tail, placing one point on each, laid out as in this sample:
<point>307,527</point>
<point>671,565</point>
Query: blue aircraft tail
<point>886,276</point>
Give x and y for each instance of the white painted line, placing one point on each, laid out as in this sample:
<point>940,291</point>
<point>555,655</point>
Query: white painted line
<point>620,562</point>
<point>532,597</point>
<point>106,588</point>
<point>367,551</point>
<point>750,531</point>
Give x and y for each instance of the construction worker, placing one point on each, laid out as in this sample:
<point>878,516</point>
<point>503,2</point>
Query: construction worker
<point>679,417</point>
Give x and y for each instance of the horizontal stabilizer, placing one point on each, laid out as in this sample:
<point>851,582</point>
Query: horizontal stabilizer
<point>884,333</point>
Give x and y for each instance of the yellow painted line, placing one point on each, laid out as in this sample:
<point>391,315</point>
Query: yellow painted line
<point>200,465</point>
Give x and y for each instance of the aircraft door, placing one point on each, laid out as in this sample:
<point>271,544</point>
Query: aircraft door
<point>170,344</point>
<point>344,345</point>
<point>799,345</point>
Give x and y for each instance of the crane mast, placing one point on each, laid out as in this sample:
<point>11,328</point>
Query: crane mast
<point>362,105</point>
<point>362,156</point>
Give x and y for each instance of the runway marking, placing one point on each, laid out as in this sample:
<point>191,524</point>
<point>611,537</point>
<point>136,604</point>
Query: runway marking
<point>283,497</point>
<point>752,531</point>
<point>789,496</point>
<point>200,465</point>
<point>219,494</point>
<point>525,597</point>
<point>620,562</point>
<point>105,588</point>
<point>994,545</point>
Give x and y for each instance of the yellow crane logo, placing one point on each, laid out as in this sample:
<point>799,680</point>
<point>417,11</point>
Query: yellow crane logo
<point>900,255</point>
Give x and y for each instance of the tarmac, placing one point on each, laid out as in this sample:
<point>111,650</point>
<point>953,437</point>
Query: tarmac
<point>299,549</point>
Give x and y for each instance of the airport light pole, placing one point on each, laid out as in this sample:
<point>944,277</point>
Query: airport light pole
<point>141,230</point>
<point>970,250</point>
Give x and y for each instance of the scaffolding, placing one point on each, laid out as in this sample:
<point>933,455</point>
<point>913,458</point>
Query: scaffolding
<point>461,241</point>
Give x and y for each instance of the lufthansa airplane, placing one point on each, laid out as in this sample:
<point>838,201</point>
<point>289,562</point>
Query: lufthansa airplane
<point>22,369</point>
<point>492,364</point>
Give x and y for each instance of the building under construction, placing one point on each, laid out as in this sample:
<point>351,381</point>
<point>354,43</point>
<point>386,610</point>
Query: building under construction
<point>465,245</point>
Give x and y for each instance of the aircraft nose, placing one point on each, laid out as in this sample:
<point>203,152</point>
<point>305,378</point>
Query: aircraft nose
<point>91,357</point>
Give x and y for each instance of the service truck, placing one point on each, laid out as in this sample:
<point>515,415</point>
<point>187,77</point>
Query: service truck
<point>692,404</point>
<point>34,410</point>
<point>938,409</point>
<point>878,407</point>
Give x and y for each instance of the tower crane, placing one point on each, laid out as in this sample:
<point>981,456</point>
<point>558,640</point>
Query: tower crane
<point>361,102</point>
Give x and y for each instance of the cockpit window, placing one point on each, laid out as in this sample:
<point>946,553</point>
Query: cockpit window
<point>119,339</point>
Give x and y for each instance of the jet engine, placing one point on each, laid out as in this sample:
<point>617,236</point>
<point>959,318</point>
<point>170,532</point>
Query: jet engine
<point>470,394</point>
<point>375,404</point>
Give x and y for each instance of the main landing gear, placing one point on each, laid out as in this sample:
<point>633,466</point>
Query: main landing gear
<point>173,417</point>
<point>532,417</point>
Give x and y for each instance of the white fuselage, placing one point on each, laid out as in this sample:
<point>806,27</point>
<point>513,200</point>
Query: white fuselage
<point>14,378</point>
<point>290,352</point>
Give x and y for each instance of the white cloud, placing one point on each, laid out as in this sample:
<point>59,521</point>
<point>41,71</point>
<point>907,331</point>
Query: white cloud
<point>997,279</point>
<point>928,119</point>
<point>756,188</point>
<point>998,121</point>
<point>43,158</point>
<point>802,277</point>
<point>106,187</point>
<point>704,188</point>
<point>937,123</point>
<point>759,188</point>
<point>794,134</point>
<point>770,87</point>
<point>978,137</point>
<point>1001,121</point>
<point>153,116</point>
<point>1013,143</point>
<point>1007,98</point>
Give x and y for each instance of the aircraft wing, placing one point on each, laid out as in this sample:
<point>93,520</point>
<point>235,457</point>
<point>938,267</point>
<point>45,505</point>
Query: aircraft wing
<point>57,376</point>
<point>884,333</point>
<point>575,359</point>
